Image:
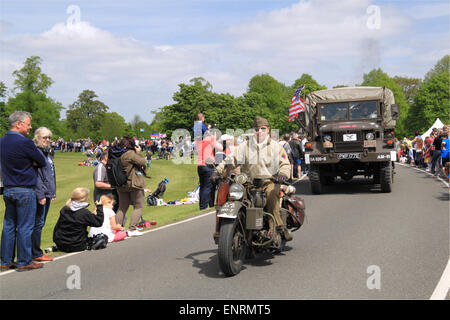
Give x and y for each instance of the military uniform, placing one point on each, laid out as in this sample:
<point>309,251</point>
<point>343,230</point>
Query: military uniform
<point>261,160</point>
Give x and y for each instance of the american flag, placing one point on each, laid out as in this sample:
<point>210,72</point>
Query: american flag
<point>297,104</point>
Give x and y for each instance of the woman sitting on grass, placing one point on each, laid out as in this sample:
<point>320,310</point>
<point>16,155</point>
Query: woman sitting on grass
<point>109,227</point>
<point>70,233</point>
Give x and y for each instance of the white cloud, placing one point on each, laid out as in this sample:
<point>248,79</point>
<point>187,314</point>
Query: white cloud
<point>80,56</point>
<point>309,36</point>
<point>328,39</point>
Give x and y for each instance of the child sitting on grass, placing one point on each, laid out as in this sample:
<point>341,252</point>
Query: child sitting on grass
<point>70,233</point>
<point>109,227</point>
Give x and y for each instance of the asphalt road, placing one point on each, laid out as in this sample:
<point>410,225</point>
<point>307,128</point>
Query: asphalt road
<point>357,243</point>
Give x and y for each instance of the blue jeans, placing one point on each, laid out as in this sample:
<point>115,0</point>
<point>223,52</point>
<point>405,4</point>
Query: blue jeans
<point>20,212</point>
<point>41,216</point>
<point>436,162</point>
<point>296,163</point>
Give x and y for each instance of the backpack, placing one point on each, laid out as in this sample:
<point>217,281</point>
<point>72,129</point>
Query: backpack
<point>159,192</point>
<point>117,176</point>
<point>97,242</point>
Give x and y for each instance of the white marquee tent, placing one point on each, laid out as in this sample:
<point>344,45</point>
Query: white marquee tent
<point>437,124</point>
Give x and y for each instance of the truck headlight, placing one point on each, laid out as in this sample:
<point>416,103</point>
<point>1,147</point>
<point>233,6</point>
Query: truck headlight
<point>327,138</point>
<point>370,136</point>
<point>236,191</point>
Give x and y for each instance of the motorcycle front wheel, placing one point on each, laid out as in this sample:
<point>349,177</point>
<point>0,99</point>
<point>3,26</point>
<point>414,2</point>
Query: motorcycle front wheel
<point>232,246</point>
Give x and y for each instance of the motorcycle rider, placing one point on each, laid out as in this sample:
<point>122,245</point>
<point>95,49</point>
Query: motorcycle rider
<point>260,156</point>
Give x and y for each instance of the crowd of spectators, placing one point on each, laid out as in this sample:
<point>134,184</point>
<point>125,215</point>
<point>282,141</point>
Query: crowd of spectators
<point>160,148</point>
<point>430,153</point>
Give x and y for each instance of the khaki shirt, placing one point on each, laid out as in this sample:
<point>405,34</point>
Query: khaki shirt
<point>258,160</point>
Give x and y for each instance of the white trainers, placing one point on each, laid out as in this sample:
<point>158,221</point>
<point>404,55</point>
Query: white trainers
<point>134,233</point>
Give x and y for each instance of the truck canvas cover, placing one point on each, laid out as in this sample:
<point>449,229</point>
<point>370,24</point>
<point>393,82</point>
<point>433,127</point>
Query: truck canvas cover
<point>348,94</point>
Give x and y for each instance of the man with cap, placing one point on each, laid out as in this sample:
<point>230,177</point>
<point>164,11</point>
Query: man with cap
<point>261,157</point>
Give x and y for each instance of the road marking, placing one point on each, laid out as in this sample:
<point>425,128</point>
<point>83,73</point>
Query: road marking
<point>144,232</point>
<point>428,173</point>
<point>443,286</point>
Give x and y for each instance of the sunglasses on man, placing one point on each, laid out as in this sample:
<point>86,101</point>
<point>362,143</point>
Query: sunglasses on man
<point>263,129</point>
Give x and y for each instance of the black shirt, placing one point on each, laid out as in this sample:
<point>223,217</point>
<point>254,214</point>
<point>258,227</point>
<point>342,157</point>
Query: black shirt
<point>437,143</point>
<point>70,233</point>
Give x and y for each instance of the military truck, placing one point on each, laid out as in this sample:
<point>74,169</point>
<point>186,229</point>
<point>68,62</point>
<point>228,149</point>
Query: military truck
<point>351,133</point>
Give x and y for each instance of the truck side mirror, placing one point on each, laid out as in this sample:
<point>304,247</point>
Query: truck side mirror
<point>395,112</point>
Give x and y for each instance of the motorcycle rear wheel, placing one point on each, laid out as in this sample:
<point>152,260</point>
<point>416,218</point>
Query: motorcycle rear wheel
<point>232,247</point>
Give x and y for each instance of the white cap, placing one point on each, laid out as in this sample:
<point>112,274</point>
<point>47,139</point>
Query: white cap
<point>226,137</point>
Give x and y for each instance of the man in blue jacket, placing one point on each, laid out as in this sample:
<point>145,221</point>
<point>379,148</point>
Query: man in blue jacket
<point>19,162</point>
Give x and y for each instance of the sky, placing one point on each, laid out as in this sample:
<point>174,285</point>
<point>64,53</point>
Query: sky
<point>134,54</point>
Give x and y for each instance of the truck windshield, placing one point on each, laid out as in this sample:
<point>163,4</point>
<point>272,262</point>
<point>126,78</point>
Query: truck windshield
<point>333,111</point>
<point>363,110</point>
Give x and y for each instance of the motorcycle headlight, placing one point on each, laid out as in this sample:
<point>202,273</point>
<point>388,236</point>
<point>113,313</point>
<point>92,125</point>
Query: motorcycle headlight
<point>241,178</point>
<point>370,136</point>
<point>327,138</point>
<point>236,191</point>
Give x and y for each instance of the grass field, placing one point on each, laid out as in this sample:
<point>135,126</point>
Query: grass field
<point>183,178</point>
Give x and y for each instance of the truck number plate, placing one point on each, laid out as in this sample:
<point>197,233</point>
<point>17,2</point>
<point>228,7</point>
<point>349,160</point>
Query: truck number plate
<point>349,156</point>
<point>349,137</point>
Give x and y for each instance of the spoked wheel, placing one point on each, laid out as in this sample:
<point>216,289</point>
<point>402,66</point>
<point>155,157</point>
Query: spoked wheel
<point>232,246</point>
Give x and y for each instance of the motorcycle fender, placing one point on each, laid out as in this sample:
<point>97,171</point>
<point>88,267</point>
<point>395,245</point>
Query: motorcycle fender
<point>230,210</point>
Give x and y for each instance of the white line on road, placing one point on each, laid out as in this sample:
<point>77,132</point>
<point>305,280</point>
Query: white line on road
<point>440,293</point>
<point>152,230</point>
<point>443,286</point>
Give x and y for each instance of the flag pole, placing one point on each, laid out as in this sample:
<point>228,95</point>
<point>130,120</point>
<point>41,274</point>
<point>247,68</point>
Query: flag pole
<point>300,124</point>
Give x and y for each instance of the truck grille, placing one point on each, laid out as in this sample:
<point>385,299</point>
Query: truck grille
<point>348,146</point>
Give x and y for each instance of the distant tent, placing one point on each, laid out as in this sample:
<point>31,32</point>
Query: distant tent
<point>437,124</point>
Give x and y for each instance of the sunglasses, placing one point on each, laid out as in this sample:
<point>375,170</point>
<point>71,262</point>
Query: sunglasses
<point>262,129</point>
<point>47,138</point>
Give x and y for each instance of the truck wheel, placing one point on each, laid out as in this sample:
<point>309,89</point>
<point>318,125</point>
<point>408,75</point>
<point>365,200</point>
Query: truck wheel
<point>314,180</point>
<point>386,178</point>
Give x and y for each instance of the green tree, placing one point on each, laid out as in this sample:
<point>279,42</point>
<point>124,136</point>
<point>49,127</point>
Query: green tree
<point>275,98</point>
<point>190,99</point>
<point>410,87</point>
<point>3,113</point>
<point>310,85</point>
<point>32,85</point>
<point>30,77</point>
<point>139,127</point>
<point>378,78</point>
<point>157,123</point>
<point>112,125</point>
<point>441,66</point>
<point>432,100</point>
<point>85,116</point>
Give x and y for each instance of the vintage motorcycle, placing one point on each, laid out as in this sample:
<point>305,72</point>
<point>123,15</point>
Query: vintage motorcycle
<point>242,225</point>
